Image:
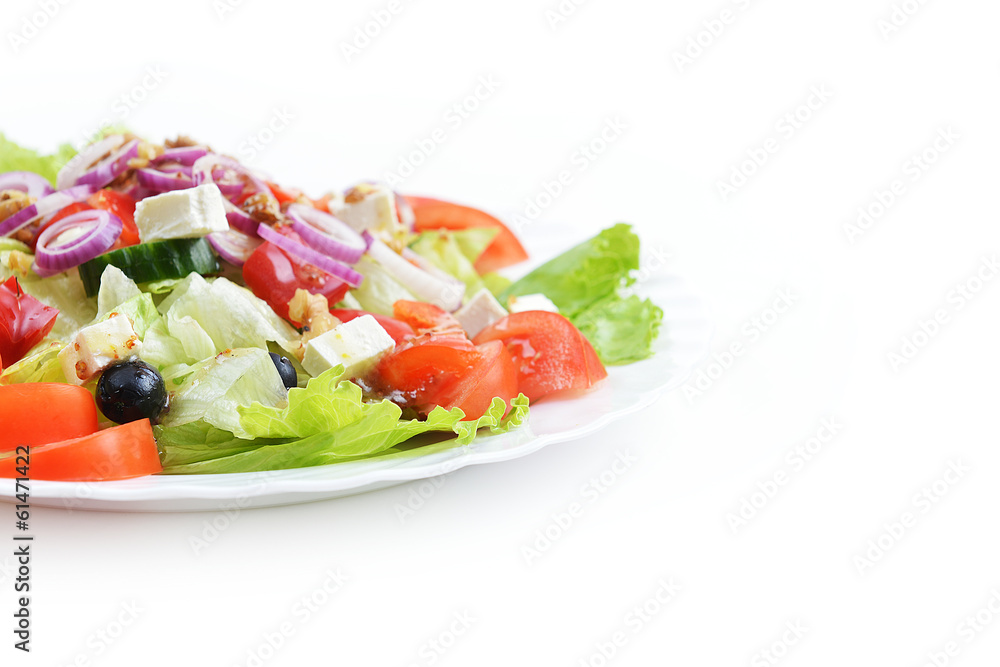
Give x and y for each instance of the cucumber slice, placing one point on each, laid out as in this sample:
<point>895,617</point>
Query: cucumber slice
<point>160,260</point>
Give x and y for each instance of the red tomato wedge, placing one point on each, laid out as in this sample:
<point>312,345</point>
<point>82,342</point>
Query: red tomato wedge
<point>400,331</point>
<point>549,353</point>
<point>121,452</point>
<point>24,322</point>
<point>123,206</point>
<point>428,318</point>
<point>27,410</point>
<point>493,375</point>
<point>274,275</point>
<point>433,214</point>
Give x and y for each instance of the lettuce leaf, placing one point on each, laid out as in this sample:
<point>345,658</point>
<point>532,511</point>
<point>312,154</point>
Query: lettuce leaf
<point>18,158</point>
<point>380,290</point>
<point>63,291</point>
<point>588,283</point>
<point>326,422</point>
<point>41,364</point>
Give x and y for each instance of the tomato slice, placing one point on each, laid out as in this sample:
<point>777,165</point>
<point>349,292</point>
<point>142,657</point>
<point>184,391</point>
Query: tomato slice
<point>123,206</point>
<point>400,331</point>
<point>432,214</point>
<point>284,195</point>
<point>24,322</point>
<point>274,275</point>
<point>27,411</point>
<point>121,452</point>
<point>494,375</point>
<point>426,318</point>
<point>416,373</point>
<point>550,354</point>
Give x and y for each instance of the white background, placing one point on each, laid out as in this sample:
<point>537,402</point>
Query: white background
<point>223,76</point>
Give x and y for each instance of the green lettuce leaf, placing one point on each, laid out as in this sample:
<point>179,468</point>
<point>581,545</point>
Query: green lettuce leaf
<point>456,253</point>
<point>63,291</point>
<point>588,284</point>
<point>380,290</point>
<point>41,364</point>
<point>18,158</point>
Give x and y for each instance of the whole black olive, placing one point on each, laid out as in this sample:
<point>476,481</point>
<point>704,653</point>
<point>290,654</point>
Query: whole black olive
<point>289,377</point>
<point>130,391</point>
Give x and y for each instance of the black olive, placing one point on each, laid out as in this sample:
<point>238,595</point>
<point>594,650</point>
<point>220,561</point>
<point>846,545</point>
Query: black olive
<point>289,377</point>
<point>130,391</point>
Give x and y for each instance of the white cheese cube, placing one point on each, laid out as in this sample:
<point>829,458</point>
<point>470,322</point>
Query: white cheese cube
<point>369,207</point>
<point>181,214</point>
<point>358,345</point>
<point>482,310</point>
<point>522,304</point>
<point>98,346</point>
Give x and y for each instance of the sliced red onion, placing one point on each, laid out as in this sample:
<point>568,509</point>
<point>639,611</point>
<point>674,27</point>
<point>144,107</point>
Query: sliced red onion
<point>111,168</point>
<point>174,168</point>
<point>32,184</point>
<point>100,231</point>
<point>317,259</point>
<point>326,233</point>
<point>239,219</point>
<point>404,211</point>
<point>185,155</point>
<point>440,289</point>
<point>233,246</point>
<point>43,207</point>
<point>83,160</point>
<point>228,174</point>
<point>163,182</point>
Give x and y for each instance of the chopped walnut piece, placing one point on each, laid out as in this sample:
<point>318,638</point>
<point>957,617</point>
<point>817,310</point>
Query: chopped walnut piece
<point>13,201</point>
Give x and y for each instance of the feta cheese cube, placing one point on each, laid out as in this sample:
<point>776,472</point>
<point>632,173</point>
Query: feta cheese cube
<point>369,207</point>
<point>98,346</point>
<point>181,214</point>
<point>482,310</point>
<point>358,345</point>
<point>522,304</point>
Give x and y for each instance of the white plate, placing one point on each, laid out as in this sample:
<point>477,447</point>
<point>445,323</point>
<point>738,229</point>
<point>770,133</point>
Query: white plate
<point>683,344</point>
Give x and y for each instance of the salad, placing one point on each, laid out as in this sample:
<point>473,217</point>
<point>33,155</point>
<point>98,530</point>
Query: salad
<point>165,309</point>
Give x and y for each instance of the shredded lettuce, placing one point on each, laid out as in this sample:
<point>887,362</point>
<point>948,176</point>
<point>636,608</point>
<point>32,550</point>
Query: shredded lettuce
<point>588,283</point>
<point>18,158</point>
<point>326,422</point>
<point>41,364</point>
<point>380,290</point>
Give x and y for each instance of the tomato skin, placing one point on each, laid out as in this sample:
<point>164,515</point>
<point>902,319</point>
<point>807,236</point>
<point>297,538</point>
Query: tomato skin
<point>274,275</point>
<point>433,214</point>
<point>122,452</point>
<point>27,410</point>
<point>549,353</point>
<point>421,369</point>
<point>24,322</point>
<point>400,331</point>
<point>494,375</point>
<point>123,206</point>
<point>426,318</point>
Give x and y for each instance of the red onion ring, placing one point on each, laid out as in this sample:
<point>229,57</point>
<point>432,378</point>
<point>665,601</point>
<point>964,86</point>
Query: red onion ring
<point>327,234</point>
<point>234,175</point>
<point>111,168</point>
<point>239,219</point>
<point>163,182</point>
<point>45,206</point>
<point>233,246</point>
<point>83,160</point>
<point>185,155</point>
<point>103,229</point>
<point>175,168</point>
<point>317,259</point>
<point>32,184</point>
